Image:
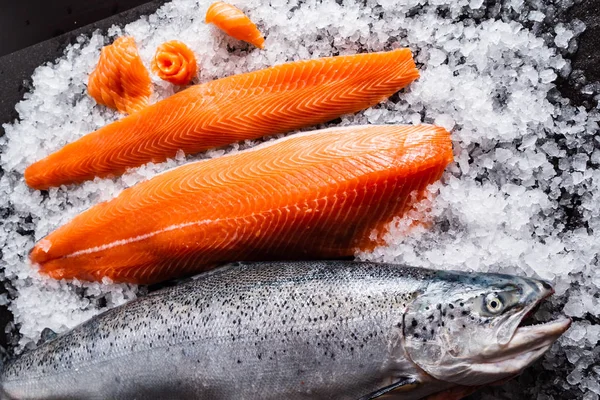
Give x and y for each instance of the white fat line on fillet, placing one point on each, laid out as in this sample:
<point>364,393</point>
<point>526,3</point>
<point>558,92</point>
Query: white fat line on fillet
<point>123,242</point>
<point>45,244</point>
<point>139,238</point>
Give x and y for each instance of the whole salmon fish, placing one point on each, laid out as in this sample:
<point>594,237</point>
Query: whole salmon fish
<point>298,330</point>
<point>246,106</point>
<point>319,194</point>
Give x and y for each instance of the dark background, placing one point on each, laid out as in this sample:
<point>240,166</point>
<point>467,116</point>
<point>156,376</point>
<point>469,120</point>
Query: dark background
<point>33,32</point>
<point>26,22</point>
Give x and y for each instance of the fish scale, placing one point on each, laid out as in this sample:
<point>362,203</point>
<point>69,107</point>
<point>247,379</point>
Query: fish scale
<point>218,336</point>
<point>246,106</point>
<point>277,201</point>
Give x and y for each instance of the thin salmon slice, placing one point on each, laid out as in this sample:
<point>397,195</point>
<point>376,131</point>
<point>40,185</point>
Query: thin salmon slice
<point>321,194</point>
<point>235,23</point>
<point>247,106</point>
<point>120,80</point>
<point>175,62</point>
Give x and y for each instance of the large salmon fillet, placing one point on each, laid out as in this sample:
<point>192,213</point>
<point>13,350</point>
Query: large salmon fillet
<point>319,194</point>
<point>247,106</point>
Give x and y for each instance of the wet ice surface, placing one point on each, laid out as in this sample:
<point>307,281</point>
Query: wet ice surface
<point>523,196</point>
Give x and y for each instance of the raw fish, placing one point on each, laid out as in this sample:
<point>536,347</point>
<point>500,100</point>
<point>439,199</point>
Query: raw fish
<point>120,80</point>
<point>302,330</point>
<point>174,62</point>
<point>320,194</point>
<point>247,106</point>
<point>235,23</point>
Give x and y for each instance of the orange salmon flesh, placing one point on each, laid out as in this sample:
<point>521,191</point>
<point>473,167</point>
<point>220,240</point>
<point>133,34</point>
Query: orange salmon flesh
<point>120,80</point>
<point>247,106</point>
<point>319,194</point>
<point>175,62</point>
<point>235,23</point>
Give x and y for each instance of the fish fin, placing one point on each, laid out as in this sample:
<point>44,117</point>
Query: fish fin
<point>47,335</point>
<point>401,384</point>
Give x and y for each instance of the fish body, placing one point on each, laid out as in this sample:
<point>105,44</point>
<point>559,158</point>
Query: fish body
<point>299,330</point>
<point>247,106</point>
<point>175,62</point>
<point>235,23</point>
<point>320,194</point>
<point>120,80</point>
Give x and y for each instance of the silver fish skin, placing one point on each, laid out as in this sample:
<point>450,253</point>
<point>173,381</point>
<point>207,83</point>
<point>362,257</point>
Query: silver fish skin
<point>295,330</point>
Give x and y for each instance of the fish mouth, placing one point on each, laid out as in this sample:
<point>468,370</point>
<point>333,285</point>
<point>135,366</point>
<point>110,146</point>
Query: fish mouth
<point>543,334</point>
<point>538,334</point>
<point>527,345</point>
<point>530,340</point>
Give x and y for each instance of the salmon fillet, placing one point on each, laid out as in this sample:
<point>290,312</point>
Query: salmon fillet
<point>247,106</point>
<point>174,62</point>
<point>235,23</point>
<point>120,80</point>
<point>319,194</point>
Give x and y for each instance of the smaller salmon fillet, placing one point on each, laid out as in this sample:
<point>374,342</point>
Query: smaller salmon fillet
<point>217,113</point>
<point>120,80</point>
<point>174,62</point>
<point>235,23</point>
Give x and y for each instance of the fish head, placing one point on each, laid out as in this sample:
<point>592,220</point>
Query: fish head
<point>468,329</point>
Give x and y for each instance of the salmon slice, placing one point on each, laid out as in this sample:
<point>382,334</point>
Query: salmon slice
<point>235,23</point>
<point>120,80</point>
<point>174,62</point>
<point>247,106</point>
<point>320,194</point>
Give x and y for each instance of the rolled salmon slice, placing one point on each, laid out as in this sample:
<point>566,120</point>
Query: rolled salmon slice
<point>321,194</point>
<point>120,80</point>
<point>247,106</point>
<point>175,62</point>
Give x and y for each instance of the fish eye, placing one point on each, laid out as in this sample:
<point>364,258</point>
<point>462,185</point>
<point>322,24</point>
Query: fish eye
<point>493,303</point>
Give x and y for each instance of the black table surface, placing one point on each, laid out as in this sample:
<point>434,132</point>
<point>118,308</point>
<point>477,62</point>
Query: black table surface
<point>24,23</point>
